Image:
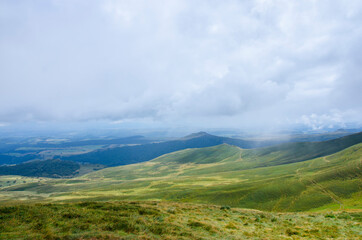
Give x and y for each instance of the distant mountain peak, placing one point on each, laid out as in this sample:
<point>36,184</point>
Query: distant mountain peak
<point>196,135</point>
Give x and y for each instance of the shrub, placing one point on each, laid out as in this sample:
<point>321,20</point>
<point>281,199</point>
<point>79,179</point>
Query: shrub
<point>195,224</point>
<point>198,224</point>
<point>148,211</point>
<point>344,215</point>
<point>291,232</point>
<point>70,215</point>
<point>8,210</point>
<point>38,226</point>
<point>157,229</point>
<point>225,208</point>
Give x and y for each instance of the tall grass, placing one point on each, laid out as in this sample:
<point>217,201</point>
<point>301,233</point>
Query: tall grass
<point>167,220</point>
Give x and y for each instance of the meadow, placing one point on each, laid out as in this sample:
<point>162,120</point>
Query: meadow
<point>167,220</point>
<point>223,175</point>
<point>219,192</point>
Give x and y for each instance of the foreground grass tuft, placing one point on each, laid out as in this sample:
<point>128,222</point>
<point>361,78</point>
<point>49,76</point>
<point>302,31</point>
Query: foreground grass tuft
<point>167,220</point>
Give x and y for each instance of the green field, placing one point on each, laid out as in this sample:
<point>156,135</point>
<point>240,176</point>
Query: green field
<point>224,175</point>
<point>220,192</point>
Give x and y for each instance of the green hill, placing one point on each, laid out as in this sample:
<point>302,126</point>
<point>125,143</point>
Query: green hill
<point>291,151</point>
<point>274,178</point>
<point>228,158</point>
<point>296,152</point>
<point>145,152</point>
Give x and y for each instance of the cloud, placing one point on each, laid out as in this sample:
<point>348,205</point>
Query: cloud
<point>232,63</point>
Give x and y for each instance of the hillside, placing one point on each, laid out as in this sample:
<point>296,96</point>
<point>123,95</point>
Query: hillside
<point>224,175</point>
<point>141,153</point>
<point>166,220</point>
<point>296,152</point>
<point>300,186</point>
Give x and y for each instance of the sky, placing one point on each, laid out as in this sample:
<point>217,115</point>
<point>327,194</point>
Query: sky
<point>240,64</point>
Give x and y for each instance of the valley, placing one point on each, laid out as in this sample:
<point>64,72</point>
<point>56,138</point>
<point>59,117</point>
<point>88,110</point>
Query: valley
<point>289,190</point>
<point>286,177</point>
<point>180,120</point>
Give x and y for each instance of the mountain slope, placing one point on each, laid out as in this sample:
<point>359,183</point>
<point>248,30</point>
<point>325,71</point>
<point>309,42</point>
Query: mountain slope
<point>172,164</point>
<point>140,153</point>
<point>225,175</point>
<point>334,180</point>
<point>296,152</point>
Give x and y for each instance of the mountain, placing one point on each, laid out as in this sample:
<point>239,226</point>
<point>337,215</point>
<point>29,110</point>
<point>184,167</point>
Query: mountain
<point>141,153</point>
<point>260,157</point>
<point>125,140</point>
<point>271,178</point>
<point>196,135</point>
<point>296,152</point>
<point>47,168</point>
<point>15,152</point>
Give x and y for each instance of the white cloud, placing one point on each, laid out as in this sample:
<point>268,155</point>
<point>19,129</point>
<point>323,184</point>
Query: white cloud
<point>243,62</point>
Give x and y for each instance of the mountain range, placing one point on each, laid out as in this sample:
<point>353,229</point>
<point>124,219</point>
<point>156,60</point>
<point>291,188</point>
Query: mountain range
<point>145,152</point>
<point>285,177</point>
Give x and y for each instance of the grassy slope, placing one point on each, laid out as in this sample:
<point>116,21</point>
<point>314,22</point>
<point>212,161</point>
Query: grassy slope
<point>221,175</point>
<point>145,152</point>
<point>164,220</point>
<point>292,151</point>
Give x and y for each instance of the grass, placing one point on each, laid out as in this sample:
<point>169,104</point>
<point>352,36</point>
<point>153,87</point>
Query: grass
<point>223,175</point>
<point>168,220</point>
<point>8,180</point>
<point>194,194</point>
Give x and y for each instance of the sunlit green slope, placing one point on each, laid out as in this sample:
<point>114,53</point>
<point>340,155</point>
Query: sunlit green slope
<point>179,163</point>
<point>224,175</point>
<point>291,151</point>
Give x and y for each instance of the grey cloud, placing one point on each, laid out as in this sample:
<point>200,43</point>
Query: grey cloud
<point>242,62</point>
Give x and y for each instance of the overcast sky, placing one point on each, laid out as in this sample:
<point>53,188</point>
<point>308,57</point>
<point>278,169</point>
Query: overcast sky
<point>202,63</point>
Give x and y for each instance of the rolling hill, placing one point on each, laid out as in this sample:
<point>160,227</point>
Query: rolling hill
<point>290,177</point>
<point>15,152</point>
<point>141,153</point>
